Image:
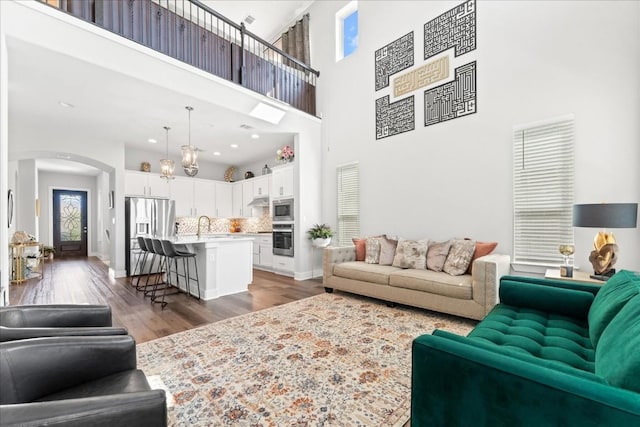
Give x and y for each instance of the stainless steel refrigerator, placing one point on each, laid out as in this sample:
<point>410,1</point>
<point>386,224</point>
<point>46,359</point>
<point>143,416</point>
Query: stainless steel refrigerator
<point>146,217</point>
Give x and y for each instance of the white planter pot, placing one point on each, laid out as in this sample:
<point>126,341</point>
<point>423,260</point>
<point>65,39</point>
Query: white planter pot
<point>321,243</point>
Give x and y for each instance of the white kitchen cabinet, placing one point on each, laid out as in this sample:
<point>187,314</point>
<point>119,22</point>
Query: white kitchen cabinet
<point>204,201</point>
<point>145,184</point>
<point>237,200</point>
<point>282,182</point>
<point>261,186</point>
<point>182,192</point>
<point>224,200</point>
<point>284,265</point>
<point>247,197</point>
<point>265,252</point>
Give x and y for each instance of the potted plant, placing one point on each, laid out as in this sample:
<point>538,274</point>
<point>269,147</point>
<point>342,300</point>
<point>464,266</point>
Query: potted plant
<point>320,235</point>
<point>48,251</point>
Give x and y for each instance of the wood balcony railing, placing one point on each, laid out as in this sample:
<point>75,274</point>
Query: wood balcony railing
<point>191,32</point>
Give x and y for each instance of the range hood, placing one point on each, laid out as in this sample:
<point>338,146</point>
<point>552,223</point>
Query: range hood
<point>259,201</point>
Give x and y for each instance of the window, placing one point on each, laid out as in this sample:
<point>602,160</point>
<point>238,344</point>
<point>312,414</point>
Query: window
<point>542,190</point>
<point>348,203</point>
<point>347,30</point>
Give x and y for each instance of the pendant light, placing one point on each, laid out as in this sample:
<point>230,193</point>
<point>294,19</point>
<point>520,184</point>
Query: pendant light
<point>190,153</point>
<point>167,166</point>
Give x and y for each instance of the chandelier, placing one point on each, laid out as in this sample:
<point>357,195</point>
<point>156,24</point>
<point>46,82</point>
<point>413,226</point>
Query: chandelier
<point>167,166</point>
<point>190,153</point>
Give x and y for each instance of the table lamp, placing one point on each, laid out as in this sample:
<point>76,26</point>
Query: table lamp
<point>605,215</point>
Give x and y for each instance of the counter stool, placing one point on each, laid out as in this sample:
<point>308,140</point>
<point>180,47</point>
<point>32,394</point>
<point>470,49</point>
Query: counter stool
<point>164,264</point>
<point>143,254</point>
<point>148,243</point>
<point>172,252</point>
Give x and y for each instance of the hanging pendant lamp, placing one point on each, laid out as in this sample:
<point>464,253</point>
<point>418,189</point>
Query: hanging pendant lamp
<point>167,166</point>
<point>190,153</point>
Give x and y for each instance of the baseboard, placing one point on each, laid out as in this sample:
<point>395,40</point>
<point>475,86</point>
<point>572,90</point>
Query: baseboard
<point>116,274</point>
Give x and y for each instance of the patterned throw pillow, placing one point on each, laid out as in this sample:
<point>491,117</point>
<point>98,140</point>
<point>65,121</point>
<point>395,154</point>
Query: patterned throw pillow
<point>387,250</point>
<point>373,250</point>
<point>437,255</point>
<point>459,256</point>
<point>411,254</point>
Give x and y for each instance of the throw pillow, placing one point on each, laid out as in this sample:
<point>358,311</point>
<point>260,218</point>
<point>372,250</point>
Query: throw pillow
<point>482,249</point>
<point>437,255</point>
<point>387,250</point>
<point>411,254</point>
<point>372,255</point>
<point>459,256</point>
<point>360,248</point>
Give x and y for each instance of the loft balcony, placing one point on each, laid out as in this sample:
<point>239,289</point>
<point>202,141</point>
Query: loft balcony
<point>191,32</point>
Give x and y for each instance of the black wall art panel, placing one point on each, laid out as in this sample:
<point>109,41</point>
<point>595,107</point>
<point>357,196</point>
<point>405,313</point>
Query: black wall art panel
<point>395,117</point>
<point>452,100</point>
<point>454,28</point>
<point>394,57</point>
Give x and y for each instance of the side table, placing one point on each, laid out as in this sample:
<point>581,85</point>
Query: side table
<point>578,276</point>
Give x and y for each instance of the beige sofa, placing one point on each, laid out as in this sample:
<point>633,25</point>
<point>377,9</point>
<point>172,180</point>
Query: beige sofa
<point>469,295</point>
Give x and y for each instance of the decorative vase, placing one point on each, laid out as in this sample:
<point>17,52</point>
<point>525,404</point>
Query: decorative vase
<point>321,243</point>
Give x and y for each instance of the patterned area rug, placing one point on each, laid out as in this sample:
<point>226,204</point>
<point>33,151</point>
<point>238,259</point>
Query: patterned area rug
<point>328,360</point>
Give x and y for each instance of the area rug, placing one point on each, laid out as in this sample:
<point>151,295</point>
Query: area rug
<point>328,360</point>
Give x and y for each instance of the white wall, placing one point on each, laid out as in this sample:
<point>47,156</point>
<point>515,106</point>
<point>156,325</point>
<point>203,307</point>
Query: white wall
<point>49,181</point>
<point>25,198</point>
<point>535,60</point>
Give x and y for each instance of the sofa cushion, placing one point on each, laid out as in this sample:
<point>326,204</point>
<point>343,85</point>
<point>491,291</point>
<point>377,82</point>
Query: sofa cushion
<point>361,247</point>
<point>411,254</point>
<point>459,256</point>
<point>358,270</point>
<point>562,339</point>
<point>482,249</point>
<point>618,351</point>
<point>372,254</point>
<point>387,250</point>
<point>437,255</point>
<point>613,296</point>
<point>432,282</point>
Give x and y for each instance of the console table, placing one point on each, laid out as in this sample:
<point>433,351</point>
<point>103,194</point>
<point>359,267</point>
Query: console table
<point>27,261</point>
<point>578,276</point>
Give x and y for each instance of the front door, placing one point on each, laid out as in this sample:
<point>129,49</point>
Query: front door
<point>70,222</point>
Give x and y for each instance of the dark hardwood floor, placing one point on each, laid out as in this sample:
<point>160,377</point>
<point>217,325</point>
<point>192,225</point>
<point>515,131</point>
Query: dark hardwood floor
<point>86,280</point>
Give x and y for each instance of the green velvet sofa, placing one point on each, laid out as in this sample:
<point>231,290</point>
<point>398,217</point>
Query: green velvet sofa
<point>552,353</point>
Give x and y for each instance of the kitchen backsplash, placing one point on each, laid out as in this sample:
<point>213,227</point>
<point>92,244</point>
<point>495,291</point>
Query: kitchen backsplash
<point>260,224</point>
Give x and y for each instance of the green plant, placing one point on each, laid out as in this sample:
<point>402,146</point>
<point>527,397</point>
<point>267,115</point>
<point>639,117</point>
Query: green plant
<point>320,231</point>
<point>46,250</point>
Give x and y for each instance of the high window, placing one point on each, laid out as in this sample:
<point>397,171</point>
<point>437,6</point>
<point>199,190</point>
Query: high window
<point>543,164</point>
<point>348,203</point>
<point>347,30</point>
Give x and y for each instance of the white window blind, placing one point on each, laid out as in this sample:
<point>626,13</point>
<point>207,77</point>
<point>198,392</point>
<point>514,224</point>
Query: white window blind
<point>543,164</point>
<point>348,203</point>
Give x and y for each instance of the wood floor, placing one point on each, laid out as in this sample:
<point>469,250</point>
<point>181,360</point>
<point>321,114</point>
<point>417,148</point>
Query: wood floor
<point>86,280</point>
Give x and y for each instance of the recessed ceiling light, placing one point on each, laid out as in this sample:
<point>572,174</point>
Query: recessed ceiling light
<point>65,104</point>
<point>255,136</point>
<point>152,140</point>
<point>234,146</point>
<point>216,153</point>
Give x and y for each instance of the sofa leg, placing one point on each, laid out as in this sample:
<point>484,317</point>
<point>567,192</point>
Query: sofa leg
<point>390,304</point>
<point>328,290</point>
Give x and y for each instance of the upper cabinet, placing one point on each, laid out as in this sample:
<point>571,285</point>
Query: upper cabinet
<point>282,182</point>
<point>224,198</point>
<point>261,186</point>
<point>194,197</point>
<point>183,193</point>
<point>145,184</point>
<point>204,201</point>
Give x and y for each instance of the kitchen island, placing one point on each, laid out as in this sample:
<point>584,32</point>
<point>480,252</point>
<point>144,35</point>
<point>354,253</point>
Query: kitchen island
<point>225,264</point>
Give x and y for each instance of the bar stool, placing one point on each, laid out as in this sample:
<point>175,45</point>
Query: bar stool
<point>164,264</point>
<point>148,243</point>
<point>143,254</point>
<point>173,253</point>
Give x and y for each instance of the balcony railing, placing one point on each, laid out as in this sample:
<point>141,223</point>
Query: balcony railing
<point>191,32</point>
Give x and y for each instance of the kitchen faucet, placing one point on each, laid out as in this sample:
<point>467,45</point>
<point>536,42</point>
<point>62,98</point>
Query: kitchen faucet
<point>208,224</point>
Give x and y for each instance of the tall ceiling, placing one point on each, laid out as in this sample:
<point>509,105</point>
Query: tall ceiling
<point>107,106</point>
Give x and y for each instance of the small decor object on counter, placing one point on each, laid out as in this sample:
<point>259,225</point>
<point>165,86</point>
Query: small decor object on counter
<point>320,235</point>
<point>234,226</point>
<point>228,175</point>
<point>145,167</point>
<point>248,175</point>
<point>285,154</point>
<point>266,170</point>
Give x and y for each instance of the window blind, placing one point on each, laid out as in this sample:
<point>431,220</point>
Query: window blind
<point>348,203</point>
<point>543,187</point>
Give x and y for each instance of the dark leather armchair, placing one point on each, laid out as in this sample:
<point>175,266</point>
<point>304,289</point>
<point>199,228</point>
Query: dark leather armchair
<point>35,321</point>
<point>76,381</point>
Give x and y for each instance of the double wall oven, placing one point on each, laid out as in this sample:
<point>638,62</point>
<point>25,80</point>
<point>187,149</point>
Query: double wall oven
<point>283,227</point>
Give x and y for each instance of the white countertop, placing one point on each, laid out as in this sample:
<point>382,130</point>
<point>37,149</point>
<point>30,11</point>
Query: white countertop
<point>208,238</point>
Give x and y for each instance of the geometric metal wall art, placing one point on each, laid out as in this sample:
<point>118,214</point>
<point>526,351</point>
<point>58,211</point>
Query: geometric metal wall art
<point>454,28</point>
<point>394,57</point>
<point>453,99</point>
<point>395,117</point>
<point>426,75</point>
